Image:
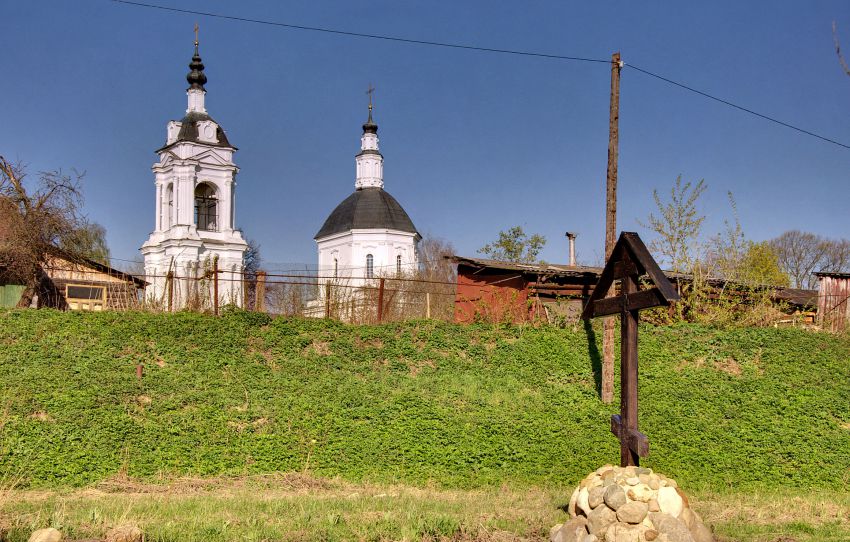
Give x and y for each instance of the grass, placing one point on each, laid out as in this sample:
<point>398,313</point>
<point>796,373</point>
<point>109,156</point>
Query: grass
<point>298,507</point>
<point>480,430</point>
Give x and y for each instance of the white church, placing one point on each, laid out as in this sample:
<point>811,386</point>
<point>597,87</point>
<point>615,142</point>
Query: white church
<point>195,181</point>
<point>367,236</point>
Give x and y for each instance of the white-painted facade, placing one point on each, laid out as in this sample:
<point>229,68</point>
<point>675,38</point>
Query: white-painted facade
<point>195,213</point>
<point>359,256</point>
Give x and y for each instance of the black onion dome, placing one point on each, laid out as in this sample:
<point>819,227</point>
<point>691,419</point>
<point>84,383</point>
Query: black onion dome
<point>196,77</point>
<point>367,208</point>
<point>370,127</point>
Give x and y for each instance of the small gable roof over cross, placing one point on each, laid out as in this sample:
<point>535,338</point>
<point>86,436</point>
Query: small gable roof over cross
<point>630,257</point>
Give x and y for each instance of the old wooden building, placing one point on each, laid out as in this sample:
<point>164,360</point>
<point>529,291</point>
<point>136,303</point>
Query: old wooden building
<point>492,290</point>
<point>496,291</point>
<point>69,282</point>
<point>833,304</point>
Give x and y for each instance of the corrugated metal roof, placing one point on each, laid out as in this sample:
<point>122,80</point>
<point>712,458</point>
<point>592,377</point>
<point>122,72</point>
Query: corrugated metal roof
<point>835,275</point>
<point>543,268</point>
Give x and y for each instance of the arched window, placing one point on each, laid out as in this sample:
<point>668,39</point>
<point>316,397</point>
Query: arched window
<point>336,267</point>
<point>370,266</point>
<point>398,265</point>
<point>206,208</point>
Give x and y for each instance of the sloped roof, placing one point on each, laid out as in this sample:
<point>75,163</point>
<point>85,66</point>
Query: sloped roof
<point>542,268</point>
<point>189,132</point>
<point>367,208</point>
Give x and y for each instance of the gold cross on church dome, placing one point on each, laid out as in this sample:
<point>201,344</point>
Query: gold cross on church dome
<point>370,92</point>
<point>196,34</point>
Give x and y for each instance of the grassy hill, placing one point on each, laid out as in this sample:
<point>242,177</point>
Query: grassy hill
<point>413,403</point>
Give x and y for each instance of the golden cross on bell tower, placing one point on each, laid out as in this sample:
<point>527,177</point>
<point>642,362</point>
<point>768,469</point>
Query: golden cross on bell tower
<point>370,92</point>
<point>196,34</point>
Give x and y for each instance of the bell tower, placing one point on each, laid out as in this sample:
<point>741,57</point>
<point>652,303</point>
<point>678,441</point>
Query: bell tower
<point>195,212</point>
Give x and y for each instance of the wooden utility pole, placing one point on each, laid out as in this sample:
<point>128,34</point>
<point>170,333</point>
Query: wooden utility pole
<point>611,222</point>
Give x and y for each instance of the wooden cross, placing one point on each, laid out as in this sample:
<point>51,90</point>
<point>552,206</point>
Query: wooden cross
<point>629,260</point>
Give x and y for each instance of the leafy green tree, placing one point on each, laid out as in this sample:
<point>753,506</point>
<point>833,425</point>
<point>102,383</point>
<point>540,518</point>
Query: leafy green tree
<point>759,265</point>
<point>514,245</point>
<point>87,240</point>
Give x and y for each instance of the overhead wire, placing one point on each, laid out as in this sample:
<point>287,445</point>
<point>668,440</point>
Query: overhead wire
<point>496,50</point>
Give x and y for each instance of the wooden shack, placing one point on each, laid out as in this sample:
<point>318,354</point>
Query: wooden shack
<point>75,283</point>
<point>833,304</point>
<point>492,290</point>
<point>496,291</point>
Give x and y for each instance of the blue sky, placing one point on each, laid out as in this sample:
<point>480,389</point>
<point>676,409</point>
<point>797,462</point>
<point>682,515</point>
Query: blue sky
<point>474,142</point>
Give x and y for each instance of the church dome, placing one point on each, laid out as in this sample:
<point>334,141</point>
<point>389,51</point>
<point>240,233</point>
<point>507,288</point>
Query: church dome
<point>367,208</point>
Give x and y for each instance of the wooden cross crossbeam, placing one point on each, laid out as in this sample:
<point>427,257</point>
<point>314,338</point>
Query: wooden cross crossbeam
<point>629,261</point>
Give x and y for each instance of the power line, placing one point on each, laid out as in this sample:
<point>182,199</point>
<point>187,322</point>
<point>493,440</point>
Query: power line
<point>481,49</point>
<point>363,35</point>
<point>730,104</point>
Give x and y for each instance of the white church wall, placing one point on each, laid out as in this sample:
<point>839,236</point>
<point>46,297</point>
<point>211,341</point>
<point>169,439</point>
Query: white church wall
<point>176,244</point>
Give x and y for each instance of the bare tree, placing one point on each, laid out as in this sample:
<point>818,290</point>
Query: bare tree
<point>837,257</point>
<point>800,255</point>
<point>436,267</point>
<point>34,221</point>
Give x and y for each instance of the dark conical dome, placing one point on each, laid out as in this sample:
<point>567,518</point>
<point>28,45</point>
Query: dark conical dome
<point>196,77</point>
<point>370,127</point>
<point>367,208</point>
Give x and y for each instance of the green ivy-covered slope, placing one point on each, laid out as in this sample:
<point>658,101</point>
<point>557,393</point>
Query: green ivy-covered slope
<point>416,402</point>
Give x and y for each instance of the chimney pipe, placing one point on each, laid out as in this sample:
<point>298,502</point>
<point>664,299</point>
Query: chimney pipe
<point>572,237</point>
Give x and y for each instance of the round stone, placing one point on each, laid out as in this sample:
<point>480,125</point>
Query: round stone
<point>582,504</point>
<point>670,502</point>
<point>46,535</point>
<point>614,497</point>
<point>632,512</point>
<point>596,496</point>
<point>640,492</point>
<point>125,533</point>
<point>670,528</point>
<point>571,531</point>
<point>600,518</point>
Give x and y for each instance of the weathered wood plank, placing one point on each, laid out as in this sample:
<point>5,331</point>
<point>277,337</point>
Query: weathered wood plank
<point>638,442</point>
<point>645,260</point>
<point>644,299</point>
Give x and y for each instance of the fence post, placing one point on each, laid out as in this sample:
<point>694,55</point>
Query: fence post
<point>260,299</point>
<point>427,305</point>
<point>328,299</point>
<point>169,285</point>
<point>381,300</point>
<point>215,285</point>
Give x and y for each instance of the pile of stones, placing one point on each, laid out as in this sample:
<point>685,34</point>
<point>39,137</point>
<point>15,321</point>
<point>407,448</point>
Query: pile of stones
<point>630,504</point>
